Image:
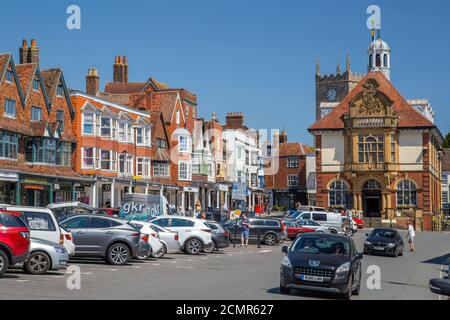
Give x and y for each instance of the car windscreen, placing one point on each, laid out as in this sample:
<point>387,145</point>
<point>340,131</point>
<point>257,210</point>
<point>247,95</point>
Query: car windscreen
<point>320,245</point>
<point>380,233</point>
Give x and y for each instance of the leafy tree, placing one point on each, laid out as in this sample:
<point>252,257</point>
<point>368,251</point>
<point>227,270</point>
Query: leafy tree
<point>447,141</point>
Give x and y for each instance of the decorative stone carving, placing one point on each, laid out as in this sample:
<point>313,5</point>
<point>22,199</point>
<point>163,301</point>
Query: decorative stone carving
<point>370,101</point>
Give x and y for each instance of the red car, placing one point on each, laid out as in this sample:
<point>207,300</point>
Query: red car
<point>293,229</point>
<point>14,240</point>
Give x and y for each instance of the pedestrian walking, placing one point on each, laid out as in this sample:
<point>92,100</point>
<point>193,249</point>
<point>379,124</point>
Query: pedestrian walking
<point>410,236</point>
<point>245,233</point>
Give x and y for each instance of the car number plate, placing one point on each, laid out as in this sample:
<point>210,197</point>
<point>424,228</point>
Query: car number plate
<point>378,248</point>
<point>305,277</point>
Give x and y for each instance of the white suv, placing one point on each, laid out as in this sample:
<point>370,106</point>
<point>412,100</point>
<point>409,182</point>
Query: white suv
<point>193,234</point>
<point>43,225</point>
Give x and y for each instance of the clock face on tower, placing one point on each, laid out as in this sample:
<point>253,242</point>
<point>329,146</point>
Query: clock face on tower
<point>331,95</point>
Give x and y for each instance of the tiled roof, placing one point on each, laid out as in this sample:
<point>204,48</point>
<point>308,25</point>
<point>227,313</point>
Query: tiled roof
<point>164,101</point>
<point>446,160</point>
<point>49,171</point>
<point>51,79</point>
<point>26,73</point>
<point>124,87</point>
<point>408,117</point>
<point>293,149</point>
<point>4,59</point>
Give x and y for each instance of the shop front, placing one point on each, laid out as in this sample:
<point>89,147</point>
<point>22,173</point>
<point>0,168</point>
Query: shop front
<point>8,184</point>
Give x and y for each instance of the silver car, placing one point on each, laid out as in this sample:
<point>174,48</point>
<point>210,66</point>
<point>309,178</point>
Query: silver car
<point>168,238</point>
<point>45,256</point>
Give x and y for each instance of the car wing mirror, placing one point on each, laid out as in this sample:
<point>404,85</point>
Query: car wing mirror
<point>285,249</point>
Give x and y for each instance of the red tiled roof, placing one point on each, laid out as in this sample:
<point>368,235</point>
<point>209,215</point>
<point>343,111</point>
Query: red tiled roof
<point>51,79</point>
<point>408,117</point>
<point>50,171</point>
<point>124,87</point>
<point>446,160</point>
<point>293,149</point>
<point>165,102</point>
<point>26,73</point>
<point>4,59</point>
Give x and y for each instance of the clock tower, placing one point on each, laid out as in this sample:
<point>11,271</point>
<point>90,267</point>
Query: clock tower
<point>331,89</point>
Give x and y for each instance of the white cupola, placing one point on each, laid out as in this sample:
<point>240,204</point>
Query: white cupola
<point>379,57</point>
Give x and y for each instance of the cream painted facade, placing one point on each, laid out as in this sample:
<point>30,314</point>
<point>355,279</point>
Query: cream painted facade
<point>333,156</point>
<point>410,151</point>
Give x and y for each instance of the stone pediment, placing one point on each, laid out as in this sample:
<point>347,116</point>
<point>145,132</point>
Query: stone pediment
<point>370,102</point>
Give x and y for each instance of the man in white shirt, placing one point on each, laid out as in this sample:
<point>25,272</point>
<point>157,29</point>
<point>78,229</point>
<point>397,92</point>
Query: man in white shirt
<point>410,236</point>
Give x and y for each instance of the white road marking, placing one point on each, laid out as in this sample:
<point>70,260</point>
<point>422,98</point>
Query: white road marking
<point>183,267</point>
<point>156,264</point>
<point>265,251</point>
<point>86,273</point>
<point>112,270</point>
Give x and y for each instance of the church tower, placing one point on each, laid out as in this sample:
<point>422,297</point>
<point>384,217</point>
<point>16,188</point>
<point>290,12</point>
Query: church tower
<point>331,89</point>
<point>379,56</point>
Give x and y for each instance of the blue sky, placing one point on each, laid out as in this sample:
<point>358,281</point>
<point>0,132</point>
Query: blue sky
<point>255,56</point>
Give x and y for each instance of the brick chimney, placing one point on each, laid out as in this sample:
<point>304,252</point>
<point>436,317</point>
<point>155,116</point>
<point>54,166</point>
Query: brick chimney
<point>23,52</point>
<point>283,137</point>
<point>120,69</point>
<point>33,52</point>
<point>235,120</point>
<point>92,82</point>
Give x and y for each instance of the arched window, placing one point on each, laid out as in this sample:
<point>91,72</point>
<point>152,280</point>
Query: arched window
<point>372,185</point>
<point>370,61</point>
<point>371,149</point>
<point>385,60</point>
<point>378,60</point>
<point>339,195</point>
<point>406,193</point>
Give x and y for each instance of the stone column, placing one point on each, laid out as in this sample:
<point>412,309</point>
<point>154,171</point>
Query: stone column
<point>218,199</point>
<point>113,187</point>
<point>182,200</point>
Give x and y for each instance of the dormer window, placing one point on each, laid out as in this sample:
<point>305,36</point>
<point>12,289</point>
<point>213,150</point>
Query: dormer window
<point>106,127</point>
<point>60,90</point>
<point>9,75</point>
<point>36,84</point>
<point>60,119</point>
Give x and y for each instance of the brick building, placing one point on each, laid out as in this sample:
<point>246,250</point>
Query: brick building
<point>114,148</point>
<point>286,172</point>
<point>36,137</point>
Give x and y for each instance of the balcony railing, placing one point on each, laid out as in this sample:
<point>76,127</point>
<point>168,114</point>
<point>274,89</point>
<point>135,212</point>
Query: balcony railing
<point>368,167</point>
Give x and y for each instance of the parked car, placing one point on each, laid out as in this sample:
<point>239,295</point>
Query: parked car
<point>194,235</point>
<point>294,228</point>
<point>14,240</point>
<point>104,237</point>
<point>62,210</point>
<point>311,208</point>
<point>316,226</point>
<point>327,219</point>
<point>168,239</point>
<point>152,237</point>
<point>322,262</point>
<point>440,286</point>
<point>271,231</point>
<point>384,241</point>
<point>220,237</point>
<point>43,225</point>
<point>45,256</point>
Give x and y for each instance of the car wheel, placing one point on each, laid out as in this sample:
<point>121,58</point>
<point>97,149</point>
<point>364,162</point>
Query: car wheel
<point>211,248</point>
<point>320,231</point>
<point>333,231</point>
<point>38,263</point>
<point>347,295</point>
<point>160,253</point>
<point>193,246</point>
<point>4,263</point>
<point>118,254</point>
<point>284,290</point>
<point>270,239</point>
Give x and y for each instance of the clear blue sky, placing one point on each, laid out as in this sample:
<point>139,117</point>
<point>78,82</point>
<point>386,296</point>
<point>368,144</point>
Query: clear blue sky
<point>255,56</point>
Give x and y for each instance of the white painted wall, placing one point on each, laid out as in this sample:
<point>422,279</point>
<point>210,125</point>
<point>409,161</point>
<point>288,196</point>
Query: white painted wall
<point>410,151</point>
<point>333,157</point>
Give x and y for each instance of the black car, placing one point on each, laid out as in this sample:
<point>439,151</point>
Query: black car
<point>322,262</point>
<point>220,237</point>
<point>384,241</point>
<point>270,231</point>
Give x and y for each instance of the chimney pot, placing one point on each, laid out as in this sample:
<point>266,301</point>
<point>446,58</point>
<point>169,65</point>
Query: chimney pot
<point>24,43</point>
<point>124,59</point>
<point>92,82</point>
<point>33,43</point>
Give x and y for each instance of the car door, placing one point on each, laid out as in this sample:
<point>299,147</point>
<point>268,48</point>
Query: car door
<point>100,234</point>
<point>355,262</point>
<point>184,228</point>
<point>78,226</point>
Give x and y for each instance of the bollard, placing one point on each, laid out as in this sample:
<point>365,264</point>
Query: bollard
<point>259,238</point>
<point>390,223</point>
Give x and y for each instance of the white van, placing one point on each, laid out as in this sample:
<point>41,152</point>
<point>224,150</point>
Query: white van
<point>327,219</point>
<point>43,225</point>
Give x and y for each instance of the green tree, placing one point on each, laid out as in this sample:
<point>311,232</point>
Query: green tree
<point>447,141</point>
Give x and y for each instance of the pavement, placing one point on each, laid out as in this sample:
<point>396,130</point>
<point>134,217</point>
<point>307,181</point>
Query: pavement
<point>234,273</point>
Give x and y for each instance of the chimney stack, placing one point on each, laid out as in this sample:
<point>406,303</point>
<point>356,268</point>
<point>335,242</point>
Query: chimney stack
<point>33,52</point>
<point>92,82</point>
<point>120,69</point>
<point>235,120</point>
<point>283,137</point>
<point>23,52</point>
